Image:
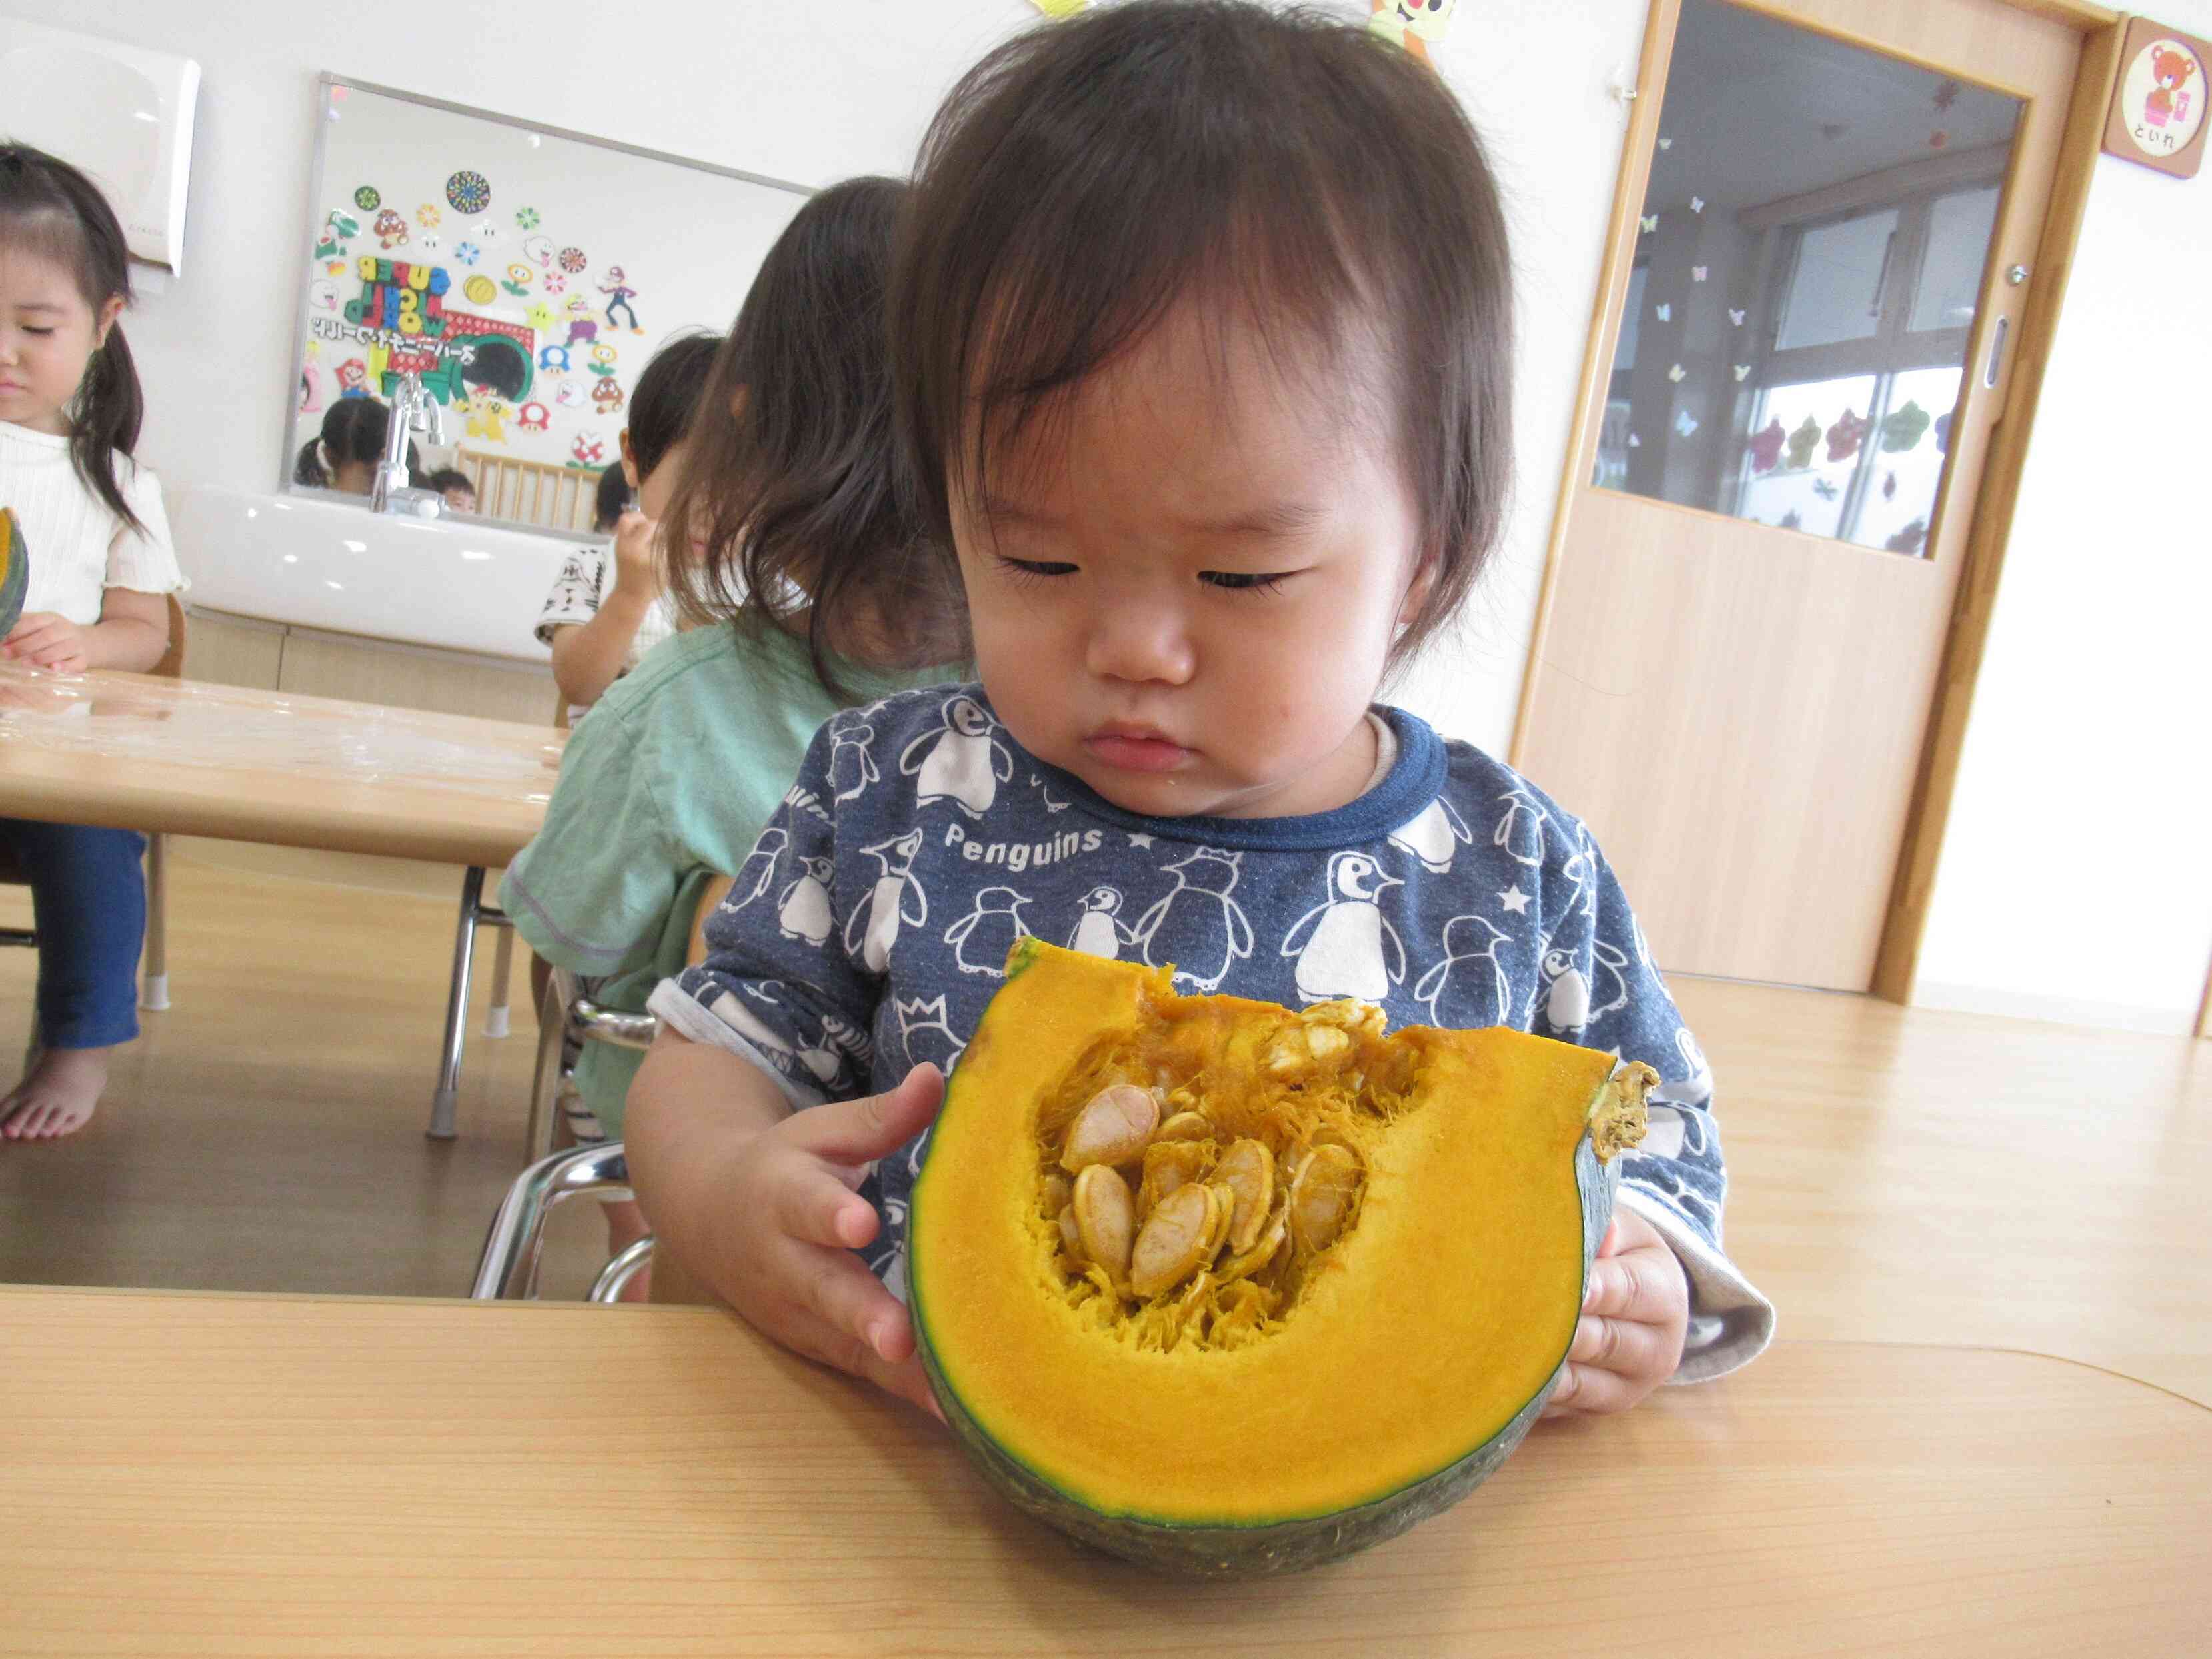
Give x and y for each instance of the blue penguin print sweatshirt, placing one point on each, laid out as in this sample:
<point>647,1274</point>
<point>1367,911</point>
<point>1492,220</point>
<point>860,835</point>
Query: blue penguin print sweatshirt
<point>870,926</point>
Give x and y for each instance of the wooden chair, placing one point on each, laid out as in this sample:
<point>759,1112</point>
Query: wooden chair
<point>153,984</point>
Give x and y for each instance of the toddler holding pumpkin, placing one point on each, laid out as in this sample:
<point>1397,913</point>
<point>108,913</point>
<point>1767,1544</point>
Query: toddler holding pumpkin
<point>1212,407</point>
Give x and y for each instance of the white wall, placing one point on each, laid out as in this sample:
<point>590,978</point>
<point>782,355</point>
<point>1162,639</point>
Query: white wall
<point>811,95</point>
<point>2076,877</point>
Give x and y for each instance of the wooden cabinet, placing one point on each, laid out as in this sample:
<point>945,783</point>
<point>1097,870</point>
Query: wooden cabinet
<point>233,650</point>
<point>245,651</point>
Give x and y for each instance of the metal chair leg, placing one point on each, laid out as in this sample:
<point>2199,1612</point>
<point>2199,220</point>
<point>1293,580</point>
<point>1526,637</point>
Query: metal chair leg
<point>444,1102</point>
<point>153,984</point>
<point>503,965</point>
<point>507,1270</point>
<point>614,1279</point>
<point>548,1074</point>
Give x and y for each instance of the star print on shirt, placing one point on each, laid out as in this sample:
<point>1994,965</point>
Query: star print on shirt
<point>1136,840</point>
<point>1515,901</point>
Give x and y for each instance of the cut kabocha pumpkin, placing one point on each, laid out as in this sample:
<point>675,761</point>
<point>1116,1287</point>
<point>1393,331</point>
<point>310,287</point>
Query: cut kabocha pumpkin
<point>15,570</point>
<point>1228,1289</point>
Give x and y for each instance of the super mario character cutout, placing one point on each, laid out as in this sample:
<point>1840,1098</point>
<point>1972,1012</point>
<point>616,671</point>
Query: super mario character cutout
<point>1412,24</point>
<point>619,294</point>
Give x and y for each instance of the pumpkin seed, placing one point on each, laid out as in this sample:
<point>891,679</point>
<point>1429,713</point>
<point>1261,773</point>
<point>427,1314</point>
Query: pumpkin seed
<point>1223,1203</point>
<point>1071,1236</point>
<point>1104,1218</point>
<point>1114,1128</point>
<point>1057,1193</point>
<point>1259,1254</point>
<point>1173,1240</point>
<point>1185,1126</point>
<point>1168,1164</point>
<point>1321,1191</point>
<point>1247,1169</point>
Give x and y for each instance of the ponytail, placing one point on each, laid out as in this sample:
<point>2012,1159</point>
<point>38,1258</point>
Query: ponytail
<point>105,422</point>
<point>48,206</point>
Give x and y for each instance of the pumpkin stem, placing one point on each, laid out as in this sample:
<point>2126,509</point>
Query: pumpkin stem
<point>1616,1121</point>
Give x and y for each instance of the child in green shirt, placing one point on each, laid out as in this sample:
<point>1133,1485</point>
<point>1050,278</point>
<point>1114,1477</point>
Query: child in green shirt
<point>805,590</point>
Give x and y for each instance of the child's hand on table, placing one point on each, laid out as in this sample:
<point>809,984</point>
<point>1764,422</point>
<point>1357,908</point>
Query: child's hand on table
<point>45,640</point>
<point>1636,1313</point>
<point>793,1217</point>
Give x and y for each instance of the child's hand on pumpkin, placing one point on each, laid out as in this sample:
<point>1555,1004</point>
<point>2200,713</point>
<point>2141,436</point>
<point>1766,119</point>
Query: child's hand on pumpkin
<point>791,1219</point>
<point>1636,1312</point>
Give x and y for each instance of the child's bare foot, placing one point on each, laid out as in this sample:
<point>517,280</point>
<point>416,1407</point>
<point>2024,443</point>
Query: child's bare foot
<point>57,1095</point>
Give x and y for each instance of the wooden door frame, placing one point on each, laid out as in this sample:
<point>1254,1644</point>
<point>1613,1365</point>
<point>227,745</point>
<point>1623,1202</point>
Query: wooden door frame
<point>1936,778</point>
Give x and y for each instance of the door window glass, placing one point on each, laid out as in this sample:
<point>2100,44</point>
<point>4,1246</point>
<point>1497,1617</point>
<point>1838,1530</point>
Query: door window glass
<point>1813,247</point>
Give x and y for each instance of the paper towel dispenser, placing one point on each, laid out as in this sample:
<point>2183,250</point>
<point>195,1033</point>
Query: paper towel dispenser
<point>121,114</point>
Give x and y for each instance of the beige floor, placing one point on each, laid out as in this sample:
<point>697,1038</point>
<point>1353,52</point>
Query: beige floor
<point>1897,1175</point>
<point>265,1132</point>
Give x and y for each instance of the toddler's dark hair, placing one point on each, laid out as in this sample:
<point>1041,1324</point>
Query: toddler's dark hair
<point>51,208</point>
<point>611,499</point>
<point>353,429</point>
<point>790,484</point>
<point>450,477</point>
<point>1277,167</point>
<point>666,396</point>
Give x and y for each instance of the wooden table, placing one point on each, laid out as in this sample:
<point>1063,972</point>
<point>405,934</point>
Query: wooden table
<point>246,1475</point>
<point>189,758</point>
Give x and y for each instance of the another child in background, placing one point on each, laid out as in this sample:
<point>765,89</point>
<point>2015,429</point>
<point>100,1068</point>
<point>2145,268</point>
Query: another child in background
<point>611,499</point>
<point>344,454</point>
<point>810,592</point>
<point>1213,409</point>
<point>101,563</point>
<point>456,486</point>
<point>604,614</point>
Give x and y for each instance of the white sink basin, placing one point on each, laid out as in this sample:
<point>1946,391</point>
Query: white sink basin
<point>325,564</point>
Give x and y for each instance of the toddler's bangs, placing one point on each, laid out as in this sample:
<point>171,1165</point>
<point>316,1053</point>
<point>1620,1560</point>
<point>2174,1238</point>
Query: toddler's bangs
<point>1284,170</point>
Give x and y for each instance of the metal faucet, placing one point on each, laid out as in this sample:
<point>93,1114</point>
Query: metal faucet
<point>413,410</point>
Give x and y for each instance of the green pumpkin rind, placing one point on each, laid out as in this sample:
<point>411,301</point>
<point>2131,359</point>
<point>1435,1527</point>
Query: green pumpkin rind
<point>1282,1546</point>
<point>15,570</point>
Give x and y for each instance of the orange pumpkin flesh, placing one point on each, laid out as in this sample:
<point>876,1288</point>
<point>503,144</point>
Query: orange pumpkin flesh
<point>1333,1398</point>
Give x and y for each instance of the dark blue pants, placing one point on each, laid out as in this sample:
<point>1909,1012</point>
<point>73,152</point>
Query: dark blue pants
<point>89,904</point>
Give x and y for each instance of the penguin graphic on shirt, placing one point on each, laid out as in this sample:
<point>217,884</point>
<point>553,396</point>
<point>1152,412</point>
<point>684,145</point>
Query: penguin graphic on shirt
<point>965,763</point>
<point>1569,998</point>
<point>1519,831</point>
<point>1469,989</point>
<point>841,1042</point>
<point>1099,931</point>
<point>803,909</point>
<point>981,938</point>
<point>757,873</point>
<point>896,898</point>
<point>926,1033</point>
<point>1207,931</point>
<point>852,768</point>
<point>1431,835</point>
<point>732,1008</point>
<point>1345,946</point>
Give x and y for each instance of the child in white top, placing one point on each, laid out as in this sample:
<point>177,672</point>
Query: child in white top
<point>604,614</point>
<point>101,563</point>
